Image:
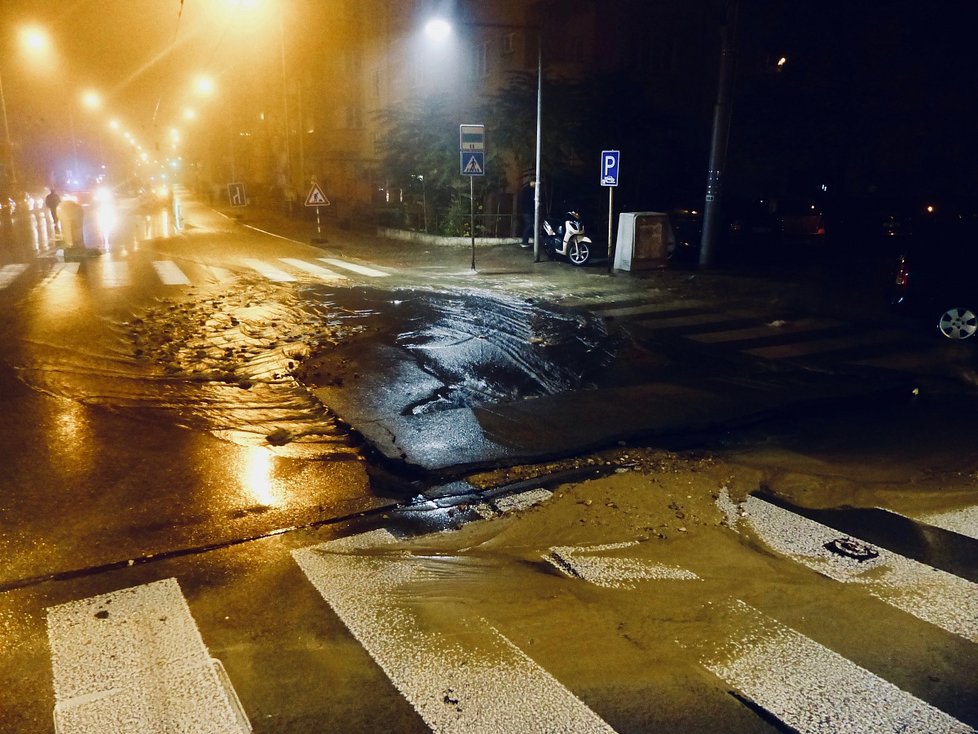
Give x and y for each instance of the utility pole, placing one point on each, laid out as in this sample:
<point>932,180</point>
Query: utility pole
<point>720,137</point>
<point>11,173</point>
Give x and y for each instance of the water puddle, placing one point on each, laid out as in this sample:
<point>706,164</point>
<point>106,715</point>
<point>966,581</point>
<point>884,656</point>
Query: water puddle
<point>243,363</point>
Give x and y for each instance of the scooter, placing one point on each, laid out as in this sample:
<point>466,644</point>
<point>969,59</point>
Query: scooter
<point>567,240</point>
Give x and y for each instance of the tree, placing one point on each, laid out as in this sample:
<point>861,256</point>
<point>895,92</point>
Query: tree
<point>422,141</point>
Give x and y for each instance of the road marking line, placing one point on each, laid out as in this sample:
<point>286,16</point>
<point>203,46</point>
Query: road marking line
<point>811,688</point>
<point>962,522</point>
<point>222,275</point>
<point>806,348</point>
<point>170,273</point>
<point>732,335</point>
<point>134,660</point>
<point>269,271</point>
<point>935,596</point>
<point>352,267</point>
<point>672,322</point>
<point>649,308</point>
<point>464,677</point>
<point>10,273</point>
<point>115,273</point>
<point>313,269</point>
<point>612,573</point>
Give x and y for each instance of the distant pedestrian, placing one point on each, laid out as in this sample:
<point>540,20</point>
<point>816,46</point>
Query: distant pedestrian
<point>525,204</point>
<point>51,201</point>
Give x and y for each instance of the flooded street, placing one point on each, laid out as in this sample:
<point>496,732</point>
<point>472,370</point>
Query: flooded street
<point>621,529</point>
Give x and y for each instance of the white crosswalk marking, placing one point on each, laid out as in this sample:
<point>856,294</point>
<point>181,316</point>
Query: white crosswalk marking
<point>813,689</point>
<point>610,571</point>
<point>697,319</point>
<point>221,275</point>
<point>647,308</point>
<point>464,677</point>
<point>133,660</point>
<point>930,594</point>
<point>269,271</point>
<point>817,346</point>
<point>10,273</point>
<point>354,268</point>
<point>962,522</point>
<point>313,269</point>
<point>765,330</point>
<point>115,273</point>
<point>170,273</point>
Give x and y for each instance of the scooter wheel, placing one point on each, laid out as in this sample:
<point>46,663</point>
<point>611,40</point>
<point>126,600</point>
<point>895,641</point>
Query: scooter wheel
<point>579,253</point>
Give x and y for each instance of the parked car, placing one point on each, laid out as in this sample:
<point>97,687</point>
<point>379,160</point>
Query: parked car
<point>937,276</point>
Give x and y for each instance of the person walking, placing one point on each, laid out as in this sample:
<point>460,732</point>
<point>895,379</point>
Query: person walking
<point>526,208</point>
<point>51,201</point>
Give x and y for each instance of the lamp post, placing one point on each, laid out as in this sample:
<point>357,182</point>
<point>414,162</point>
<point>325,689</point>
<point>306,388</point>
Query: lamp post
<point>439,27</point>
<point>11,171</point>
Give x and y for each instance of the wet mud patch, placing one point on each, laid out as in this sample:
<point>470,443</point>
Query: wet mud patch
<point>220,362</point>
<point>427,352</point>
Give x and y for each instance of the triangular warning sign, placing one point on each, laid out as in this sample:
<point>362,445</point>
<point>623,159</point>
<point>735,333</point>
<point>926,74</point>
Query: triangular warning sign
<point>316,197</point>
<point>473,166</point>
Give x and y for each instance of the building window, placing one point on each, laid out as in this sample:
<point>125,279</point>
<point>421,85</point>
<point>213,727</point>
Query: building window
<point>509,43</point>
<point>354,118</point>
<point>480,61</point>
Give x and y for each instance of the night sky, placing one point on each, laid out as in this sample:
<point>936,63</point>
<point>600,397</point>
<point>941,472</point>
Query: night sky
<point>875,98</point>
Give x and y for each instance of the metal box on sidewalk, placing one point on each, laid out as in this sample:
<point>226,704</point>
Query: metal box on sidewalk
<point>644,241</point>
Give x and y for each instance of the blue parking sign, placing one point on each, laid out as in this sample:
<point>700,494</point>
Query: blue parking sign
<point>609,167</point>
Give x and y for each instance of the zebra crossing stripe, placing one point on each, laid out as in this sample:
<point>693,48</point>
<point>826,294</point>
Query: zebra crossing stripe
<point>354,268</point>
<point>10,273</point>
<point>170,273</point>
<point>672,322</point>
<point>612,572</point>
<point>269,271</point>
<point>756,332</point>
<point>802,349</point>
<point>927,593</point>
<point>222,275</point>
<point>134,660</point>
<point>313,269</point>
<point>463,677</point>
<point>647,308</point>
<point>115,273</point>
<point>962,522</point>
<point>811,688</point>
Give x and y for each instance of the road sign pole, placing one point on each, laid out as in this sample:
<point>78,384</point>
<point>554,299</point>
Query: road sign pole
<point>319,230</point>
<point>610,161</point>
<point>472,216</point>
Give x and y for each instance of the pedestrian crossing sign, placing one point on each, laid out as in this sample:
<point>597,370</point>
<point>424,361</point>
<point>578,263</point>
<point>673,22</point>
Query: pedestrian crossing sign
<point>473,163</point>
<point>316,197</point>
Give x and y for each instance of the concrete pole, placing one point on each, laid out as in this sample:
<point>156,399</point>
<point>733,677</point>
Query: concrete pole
<point>718,142</point>
<point>536,188</point>
<point>11,172</point>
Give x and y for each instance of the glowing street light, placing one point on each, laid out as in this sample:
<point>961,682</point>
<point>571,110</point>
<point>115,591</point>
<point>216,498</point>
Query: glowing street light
<point>91,99</point>
<point>35,39</point>
<point>204,85</point>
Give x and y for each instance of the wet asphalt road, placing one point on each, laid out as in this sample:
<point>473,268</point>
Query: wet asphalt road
<point>152,436</point>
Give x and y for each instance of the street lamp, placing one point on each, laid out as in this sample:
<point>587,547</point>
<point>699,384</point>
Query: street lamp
<point>35,41</point>
<point>439,29</point>
<point>11,171</point>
